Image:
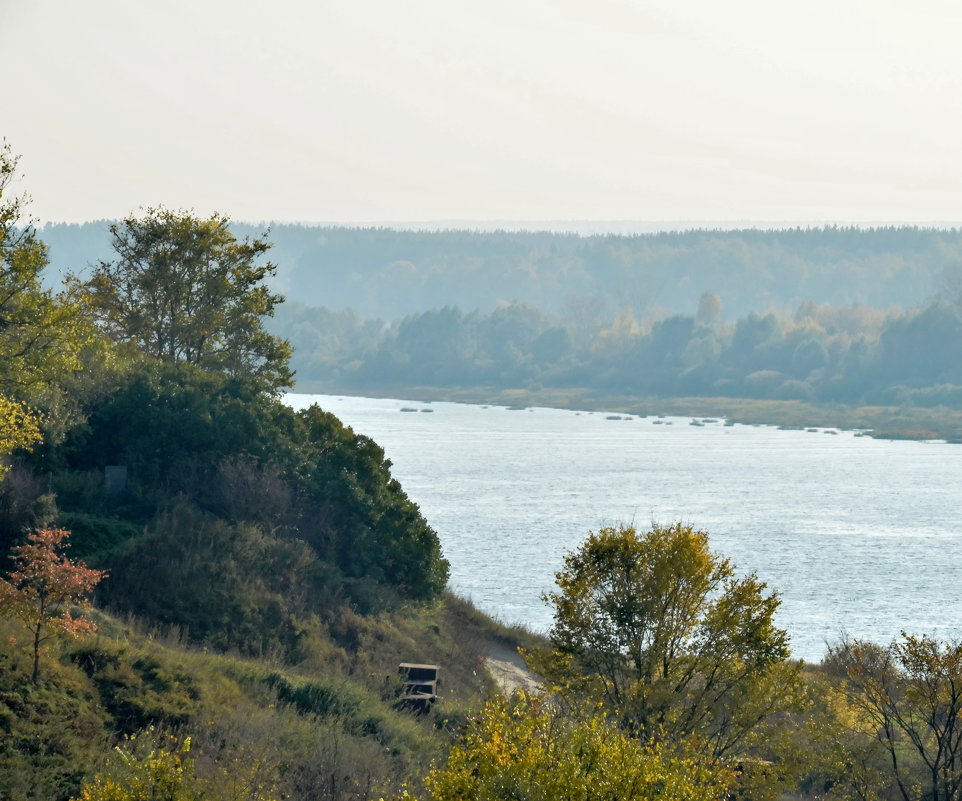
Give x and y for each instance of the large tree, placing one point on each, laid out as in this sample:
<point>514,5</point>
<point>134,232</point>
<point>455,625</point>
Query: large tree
<point>185,289</point>
<point>660,628</point>
<point>41,334</point>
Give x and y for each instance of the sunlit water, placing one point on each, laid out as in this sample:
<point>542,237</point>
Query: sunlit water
<point>859,536</point>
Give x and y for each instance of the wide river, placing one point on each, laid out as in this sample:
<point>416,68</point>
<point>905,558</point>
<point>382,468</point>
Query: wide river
<point>860,537</point>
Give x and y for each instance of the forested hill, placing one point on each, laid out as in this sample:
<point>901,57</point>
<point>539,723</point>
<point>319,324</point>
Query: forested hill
<point>387,274</point>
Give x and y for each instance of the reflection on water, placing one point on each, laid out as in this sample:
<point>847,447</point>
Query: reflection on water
<point>858,535</point>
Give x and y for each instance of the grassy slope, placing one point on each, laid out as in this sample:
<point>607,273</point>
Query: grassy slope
<point>328,727</point>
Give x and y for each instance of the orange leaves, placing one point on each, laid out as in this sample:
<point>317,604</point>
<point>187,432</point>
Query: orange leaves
<point>44,586</point>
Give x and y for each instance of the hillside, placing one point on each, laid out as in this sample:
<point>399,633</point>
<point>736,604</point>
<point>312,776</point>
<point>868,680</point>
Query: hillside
<point>263,572</point>
<point>328,726</point>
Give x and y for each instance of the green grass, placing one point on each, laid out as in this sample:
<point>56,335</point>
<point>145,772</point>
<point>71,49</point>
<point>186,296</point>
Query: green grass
<point>330,720</point>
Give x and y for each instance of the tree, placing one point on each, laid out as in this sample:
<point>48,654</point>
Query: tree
<point>41,334</point>
<point>359,516</point>
<point>909,696</point>
<point>709,314</point>
<point>528,748</point>
<point>659,628</point>
<point>184,289</point>
<point>43,586</point>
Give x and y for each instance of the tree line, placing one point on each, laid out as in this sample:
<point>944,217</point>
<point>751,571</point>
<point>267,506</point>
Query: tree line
<point>827,354</point>
<point>388,274</point>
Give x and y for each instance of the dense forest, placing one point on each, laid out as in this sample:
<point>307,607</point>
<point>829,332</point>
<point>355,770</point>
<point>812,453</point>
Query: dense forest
<point>205,595</point>
<point>386,274</point>
<point>828,354</point>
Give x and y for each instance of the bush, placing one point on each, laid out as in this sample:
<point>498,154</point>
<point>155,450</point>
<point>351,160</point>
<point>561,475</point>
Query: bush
<point>94,537</point>
<point>229,585</point>
<point>528,748</point>
<point>137,689</point>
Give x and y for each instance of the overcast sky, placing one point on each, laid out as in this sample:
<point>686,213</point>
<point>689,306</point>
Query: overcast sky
<point>385,110</point>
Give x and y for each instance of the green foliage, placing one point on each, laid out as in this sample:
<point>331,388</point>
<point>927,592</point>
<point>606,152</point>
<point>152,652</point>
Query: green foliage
<point>137,688</point>
<point>361,516</point>
<point>842,754</point>
<point>258,513</point>
<point>154,767</point>
<point>162,418</point>
<point>41,335</point>
<point>323,698</point>
<point>526,748</point>
<point>26,503</point>
<point>229,585</point>
<point>659,628</point>
<point>184,289</point>
<point>95,536</point>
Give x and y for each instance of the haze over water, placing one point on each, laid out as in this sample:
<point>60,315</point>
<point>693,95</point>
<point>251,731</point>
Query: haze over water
<point>858,535</point>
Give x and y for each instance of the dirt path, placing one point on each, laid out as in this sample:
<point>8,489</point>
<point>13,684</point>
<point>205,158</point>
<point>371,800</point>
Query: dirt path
<point>508,670</point>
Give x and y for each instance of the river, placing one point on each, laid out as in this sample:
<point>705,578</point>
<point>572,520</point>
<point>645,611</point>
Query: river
<point>860,537</point>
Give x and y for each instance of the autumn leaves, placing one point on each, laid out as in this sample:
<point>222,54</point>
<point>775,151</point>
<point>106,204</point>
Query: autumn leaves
<point>45,589</point>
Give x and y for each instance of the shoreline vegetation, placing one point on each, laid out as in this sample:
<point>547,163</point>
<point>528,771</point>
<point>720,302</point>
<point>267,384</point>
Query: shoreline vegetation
<point>879,422</point>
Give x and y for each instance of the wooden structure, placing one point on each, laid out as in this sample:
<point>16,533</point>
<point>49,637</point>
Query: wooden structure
<point>419,685</point>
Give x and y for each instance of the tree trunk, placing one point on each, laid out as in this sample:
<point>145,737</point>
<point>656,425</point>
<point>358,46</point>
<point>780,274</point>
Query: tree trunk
<point>36,652</point>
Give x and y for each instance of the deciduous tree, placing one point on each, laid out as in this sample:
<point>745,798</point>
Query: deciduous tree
<point>660,629</point>
<point>41,334</point>
<point>43,587</point>
<point>19,428</point>
<point>909,697</point>
<point>184,289</point>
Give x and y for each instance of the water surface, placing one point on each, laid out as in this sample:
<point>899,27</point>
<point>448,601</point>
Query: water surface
<point>858,535</point>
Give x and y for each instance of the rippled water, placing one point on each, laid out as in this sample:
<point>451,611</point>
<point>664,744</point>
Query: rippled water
<point>858,535</point>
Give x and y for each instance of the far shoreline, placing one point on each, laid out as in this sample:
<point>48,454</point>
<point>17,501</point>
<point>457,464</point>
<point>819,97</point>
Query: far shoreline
<point>879,422</point>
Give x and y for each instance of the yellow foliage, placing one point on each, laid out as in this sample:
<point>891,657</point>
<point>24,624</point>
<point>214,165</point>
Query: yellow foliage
<point>19,428</point>
<point>658,626</point>
<point>158,768</point>
<point>525,748</point>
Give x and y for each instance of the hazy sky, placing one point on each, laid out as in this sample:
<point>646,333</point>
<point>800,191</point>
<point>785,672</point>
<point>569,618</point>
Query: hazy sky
<point>379,110</point>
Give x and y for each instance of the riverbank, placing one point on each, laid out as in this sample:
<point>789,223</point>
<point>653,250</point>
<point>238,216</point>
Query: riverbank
<point>881,422</point>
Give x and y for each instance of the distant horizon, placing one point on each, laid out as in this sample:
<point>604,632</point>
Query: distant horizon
<point>580,227</point>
